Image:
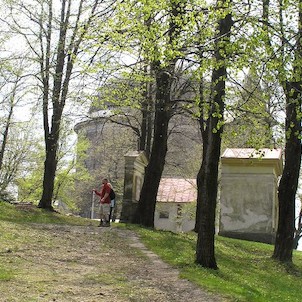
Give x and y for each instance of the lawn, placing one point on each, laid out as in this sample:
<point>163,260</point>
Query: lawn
<point>246,270</point>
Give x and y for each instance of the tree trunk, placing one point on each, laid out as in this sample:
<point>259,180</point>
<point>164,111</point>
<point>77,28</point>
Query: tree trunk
<point>207,182</point>
<point>284,243</point>
<point>145,211</point>
<point>207,178</point>
<point>146,125</point>
<point>289,181</point>
<point>5,134</point>
<point>144,214</point>
<point>50,166</point>
<point>298,231</point>
<point>296,242</point>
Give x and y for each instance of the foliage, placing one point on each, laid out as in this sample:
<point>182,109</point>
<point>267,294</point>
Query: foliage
<point>139,34</point>
<point>30,184</point>
<point>251,116</point>
<point>246,271</point>
<point>53,32</point>
<point>6,196</point>
<point>15,139</point>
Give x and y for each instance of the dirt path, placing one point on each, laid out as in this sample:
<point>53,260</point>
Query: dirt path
<point>67,263</point>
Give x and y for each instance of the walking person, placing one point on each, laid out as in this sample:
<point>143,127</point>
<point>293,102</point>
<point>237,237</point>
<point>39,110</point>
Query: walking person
<point>105,202</point>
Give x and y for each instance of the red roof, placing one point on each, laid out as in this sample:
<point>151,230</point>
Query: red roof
<point>177,190</point>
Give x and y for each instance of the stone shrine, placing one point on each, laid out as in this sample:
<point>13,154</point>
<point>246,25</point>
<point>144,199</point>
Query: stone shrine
<point>135,164</point>
<point>248,196</point>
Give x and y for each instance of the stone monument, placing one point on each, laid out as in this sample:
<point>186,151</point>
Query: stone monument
<point>135,164</point>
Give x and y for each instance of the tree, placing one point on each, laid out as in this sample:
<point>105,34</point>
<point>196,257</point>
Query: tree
<point>54,32</point>
<point>15,138</point>
<point>164,71</point>
<point>211,124</point>
<point>30,183</point>
<point>11,84</point>
<point>129,99</point>
<point>282,40</point>
<point>251,115</point>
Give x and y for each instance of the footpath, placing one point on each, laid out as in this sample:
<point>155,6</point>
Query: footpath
<point>90,264</point>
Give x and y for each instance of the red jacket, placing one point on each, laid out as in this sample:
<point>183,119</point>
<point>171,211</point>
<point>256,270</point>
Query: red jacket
<point>105,189</point>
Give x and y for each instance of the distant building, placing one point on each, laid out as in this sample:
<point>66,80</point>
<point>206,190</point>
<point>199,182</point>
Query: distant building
<point>103,156</point>
<point>108,140</point>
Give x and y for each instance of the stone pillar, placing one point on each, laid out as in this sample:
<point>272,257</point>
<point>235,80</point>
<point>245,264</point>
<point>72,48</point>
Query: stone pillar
<point>135,164</point>
<point>248,199</point>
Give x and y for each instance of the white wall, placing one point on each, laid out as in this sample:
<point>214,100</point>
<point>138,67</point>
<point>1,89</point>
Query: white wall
<point>179,217</point>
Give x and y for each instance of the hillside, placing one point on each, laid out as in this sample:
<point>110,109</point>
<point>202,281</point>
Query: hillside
<point>63,261</point>
<point>52,257</point>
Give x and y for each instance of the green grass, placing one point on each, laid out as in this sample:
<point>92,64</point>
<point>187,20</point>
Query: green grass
<point>11,213</point>
<point>5,275</point>
<point>246,271</point>
<point>14,219</point>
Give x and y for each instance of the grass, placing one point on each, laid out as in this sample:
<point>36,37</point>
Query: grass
<point>5,274</point>
<point>10,236</point>
<point>246,271</point>
<point>11,213</point>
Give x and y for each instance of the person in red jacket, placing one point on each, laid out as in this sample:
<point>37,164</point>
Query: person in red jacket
<point>104,202</point>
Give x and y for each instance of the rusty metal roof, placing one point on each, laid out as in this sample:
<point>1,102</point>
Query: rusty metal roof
<point>177,190</point>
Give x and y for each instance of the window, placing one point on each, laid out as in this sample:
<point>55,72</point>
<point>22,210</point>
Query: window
<point>179,211</point>
<point>164,214</point>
